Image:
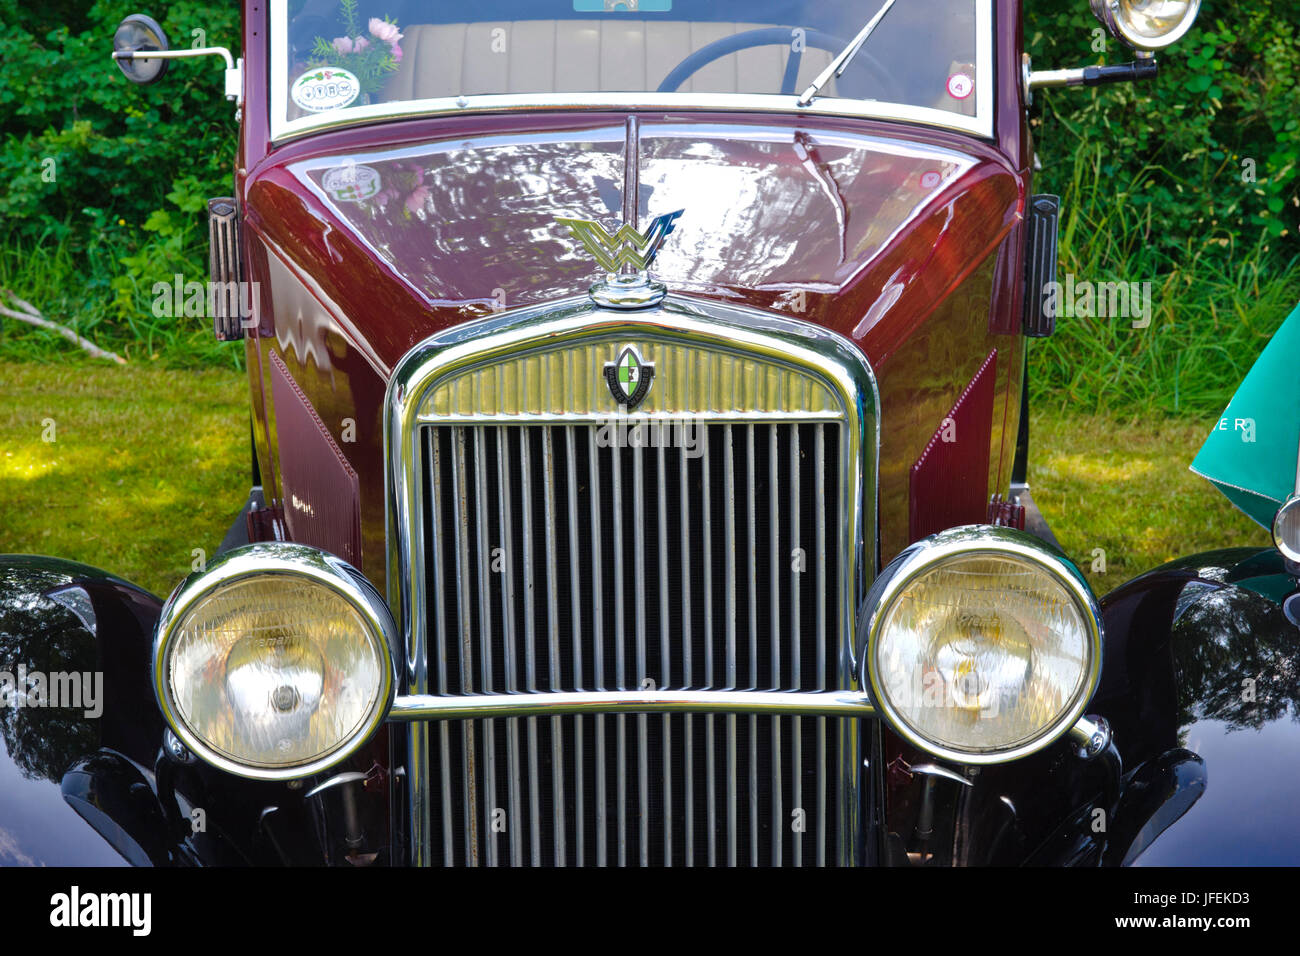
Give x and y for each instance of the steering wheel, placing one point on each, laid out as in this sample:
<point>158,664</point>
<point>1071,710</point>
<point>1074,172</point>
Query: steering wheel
<point>780,36</point>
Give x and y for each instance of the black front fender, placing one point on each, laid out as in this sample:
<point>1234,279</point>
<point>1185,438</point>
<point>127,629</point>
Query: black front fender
<point>94,784</point>
<point>95,632</point>
<point>1201,685</point>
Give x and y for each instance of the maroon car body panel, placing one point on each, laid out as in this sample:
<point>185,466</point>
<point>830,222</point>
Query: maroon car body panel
<point>896,239</point>
<point>905,239</point>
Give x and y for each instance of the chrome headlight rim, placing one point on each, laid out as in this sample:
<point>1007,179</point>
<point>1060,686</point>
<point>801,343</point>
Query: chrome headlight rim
<point>973,541</point>
<point>288,561</point>
<point>1110,15</point>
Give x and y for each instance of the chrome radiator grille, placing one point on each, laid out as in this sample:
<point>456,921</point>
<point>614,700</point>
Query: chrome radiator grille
<point>555,563</point>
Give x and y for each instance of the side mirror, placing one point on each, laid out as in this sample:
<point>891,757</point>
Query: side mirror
<point>141,51</point>
<point>135,35</point>
<point>1146,25</point>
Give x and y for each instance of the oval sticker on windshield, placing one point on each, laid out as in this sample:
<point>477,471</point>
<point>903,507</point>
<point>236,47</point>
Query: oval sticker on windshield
<point>351,183</point>
<point>325,88</point>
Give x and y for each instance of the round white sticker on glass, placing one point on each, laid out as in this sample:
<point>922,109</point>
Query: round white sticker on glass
<point>325,88</point>
<point>960,86</point>
<point>351,183</point>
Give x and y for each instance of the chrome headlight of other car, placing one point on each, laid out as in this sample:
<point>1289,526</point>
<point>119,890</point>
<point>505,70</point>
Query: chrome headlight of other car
<point>275,662</point>
<point>980,644</point>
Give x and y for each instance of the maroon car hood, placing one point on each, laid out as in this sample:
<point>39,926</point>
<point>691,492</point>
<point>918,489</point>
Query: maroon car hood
<point>857,227</point>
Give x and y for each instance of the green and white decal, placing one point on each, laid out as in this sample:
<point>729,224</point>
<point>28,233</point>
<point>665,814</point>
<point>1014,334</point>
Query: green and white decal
<point>629,377</point>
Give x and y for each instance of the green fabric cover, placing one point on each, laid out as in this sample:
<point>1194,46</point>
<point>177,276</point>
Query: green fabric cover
<point>1257,476</point>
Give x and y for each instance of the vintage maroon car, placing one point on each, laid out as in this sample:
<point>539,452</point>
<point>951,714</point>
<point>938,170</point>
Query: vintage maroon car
<point>638,412</point>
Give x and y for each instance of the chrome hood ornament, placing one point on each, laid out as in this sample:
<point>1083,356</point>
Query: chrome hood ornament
<point>626,255</point>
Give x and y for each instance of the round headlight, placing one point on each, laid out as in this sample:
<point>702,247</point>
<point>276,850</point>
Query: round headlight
<point>275,662</point>
<point>1147,25</point>
<point>982,645</point>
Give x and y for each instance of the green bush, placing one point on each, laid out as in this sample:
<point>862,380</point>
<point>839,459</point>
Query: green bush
<point>1210,149</point>
<point>86,153</point>
<point>105,177</point>
<point>1189,183</point>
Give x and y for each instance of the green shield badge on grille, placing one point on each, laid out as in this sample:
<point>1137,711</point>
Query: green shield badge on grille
<point>629,377</point>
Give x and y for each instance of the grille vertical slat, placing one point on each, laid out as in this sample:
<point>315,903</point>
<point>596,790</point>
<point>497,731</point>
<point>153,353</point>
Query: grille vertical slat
<point>530,645</point>
<point>774,526</point>
<point>514,817</point>
<point>468,753</point>
<point>751,499</point>
<point>710,774</point>
<point>553,644</point>
<point>729,521</point>
<point>665,656</point>
<point>819,477</point>
<point>575,598</point>
<point>440,629</point>
<point>485,647</point>
<point>619,641</point>
<point>642,720</point>
<point>557,562</point>
<point>688,653</point>
<point>598,643</point>
<point>798,559</point>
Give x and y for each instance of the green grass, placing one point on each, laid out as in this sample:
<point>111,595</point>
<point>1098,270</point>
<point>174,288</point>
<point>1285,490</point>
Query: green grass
<point>1122,486</point>
<point>73,284</point>
<point>1214,304</point>
<point>146,464</point>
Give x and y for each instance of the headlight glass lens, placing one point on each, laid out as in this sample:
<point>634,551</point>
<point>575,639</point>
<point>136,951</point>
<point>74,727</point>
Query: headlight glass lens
<point>275,671</point>
<point>1154,19</point>
<point>983,653</point>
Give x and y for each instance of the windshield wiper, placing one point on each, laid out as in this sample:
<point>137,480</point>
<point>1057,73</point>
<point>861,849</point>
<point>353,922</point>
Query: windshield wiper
<point>841,62</point>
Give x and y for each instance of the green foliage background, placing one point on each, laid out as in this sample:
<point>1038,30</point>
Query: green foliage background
<point>1157,186</point>
<point>1151,176</point>
<point>1228,93</point>
<point>133,169</point>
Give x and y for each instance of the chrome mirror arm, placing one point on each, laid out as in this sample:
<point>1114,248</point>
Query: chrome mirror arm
<point>234,68</point>
<point>1144,67</point>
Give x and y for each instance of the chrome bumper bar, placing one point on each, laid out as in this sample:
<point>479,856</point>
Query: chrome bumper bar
<point>1091,734</point>
<point>837,703</point>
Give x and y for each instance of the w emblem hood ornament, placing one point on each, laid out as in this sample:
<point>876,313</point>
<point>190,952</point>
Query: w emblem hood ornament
<point>629,377</point>
<point>625,248</point>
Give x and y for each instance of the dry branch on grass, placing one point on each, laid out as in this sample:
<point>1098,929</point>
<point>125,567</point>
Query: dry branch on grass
<point>26,312</point>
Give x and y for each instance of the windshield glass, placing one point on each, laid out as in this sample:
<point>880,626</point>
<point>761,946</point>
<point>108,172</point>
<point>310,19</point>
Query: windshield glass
<point>339,61</point>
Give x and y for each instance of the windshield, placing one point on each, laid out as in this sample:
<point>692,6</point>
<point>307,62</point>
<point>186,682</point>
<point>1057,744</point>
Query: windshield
<point>339,61</point>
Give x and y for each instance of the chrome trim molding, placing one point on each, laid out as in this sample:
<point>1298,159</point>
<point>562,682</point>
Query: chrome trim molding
<point>635,291</point>
<point>981,124</point>
<point>833,363</point>
<point>831,703</point>
<point>976,539</point>
<point>934,770</point>
<point>271,559</point>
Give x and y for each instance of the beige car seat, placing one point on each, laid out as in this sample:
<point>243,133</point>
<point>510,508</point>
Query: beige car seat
<point>567,56</point>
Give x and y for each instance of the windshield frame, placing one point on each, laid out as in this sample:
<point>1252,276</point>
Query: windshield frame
<point>980,125</point>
